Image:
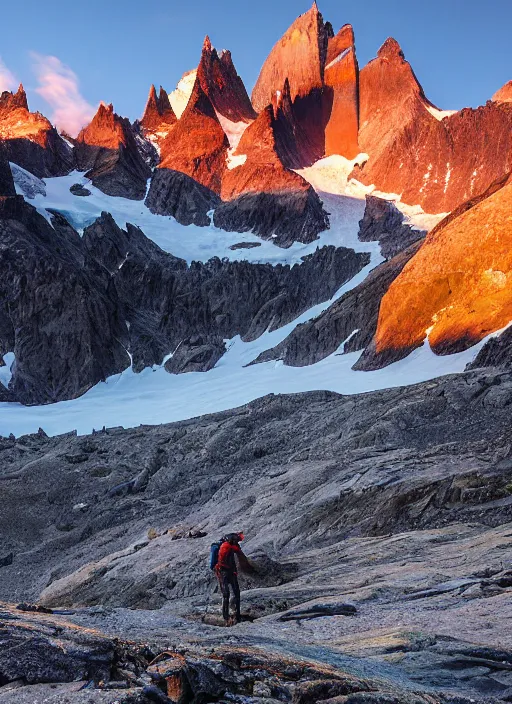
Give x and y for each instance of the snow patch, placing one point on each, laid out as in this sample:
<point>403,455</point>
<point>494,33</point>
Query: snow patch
<point>234,161</point>
<point>439,114</point>
<point>179,98</point>
<point>6,371</point>
<point>330,175</point>
<point>191,243</point>
<point>339,58</point>
<point>154,396</point>
<point>233,130</point>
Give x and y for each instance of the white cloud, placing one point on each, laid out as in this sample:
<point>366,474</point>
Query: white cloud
<point>7,79</point>
<point>59,86</point>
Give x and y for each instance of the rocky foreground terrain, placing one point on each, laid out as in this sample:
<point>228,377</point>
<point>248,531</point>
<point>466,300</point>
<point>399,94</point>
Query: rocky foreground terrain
<point>380,524</point>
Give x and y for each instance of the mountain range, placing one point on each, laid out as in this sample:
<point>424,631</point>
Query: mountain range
<point>267,167</point>
<point>285,312</point>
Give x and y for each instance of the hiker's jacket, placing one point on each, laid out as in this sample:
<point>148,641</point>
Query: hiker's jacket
<point>226,559</point>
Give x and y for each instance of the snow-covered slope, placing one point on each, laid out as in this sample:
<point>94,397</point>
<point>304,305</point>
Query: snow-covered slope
<point>154,396</point>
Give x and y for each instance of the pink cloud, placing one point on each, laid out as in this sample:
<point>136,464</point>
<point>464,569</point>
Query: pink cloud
<point>59,86</point>
<point>7,79</point>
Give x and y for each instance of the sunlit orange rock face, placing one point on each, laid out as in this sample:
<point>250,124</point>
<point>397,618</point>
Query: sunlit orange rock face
<point>263,170</point>
<point>16,122</point>
<point>223,86</point>
<point>459,284</point>
<point>29,138</point>
<point>107,129</point>
<point>431,159</point>
<point>197,145</point>
<point>504,94</point>
<point>341,76</point>
<point>298,56</point>
<point>158,116</point>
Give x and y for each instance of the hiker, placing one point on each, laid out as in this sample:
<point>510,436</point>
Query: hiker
<point>225,569</point>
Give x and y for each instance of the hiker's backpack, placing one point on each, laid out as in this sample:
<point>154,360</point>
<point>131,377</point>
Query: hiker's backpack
<point>214,554</point>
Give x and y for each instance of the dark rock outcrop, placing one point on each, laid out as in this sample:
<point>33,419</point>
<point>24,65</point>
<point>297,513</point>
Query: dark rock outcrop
<point>107,150</point>
<point>63,323</point>
<point>196,354</point>
<point>497,352</point>
<point>174,193</point>
<point>384,223</point>
<point>30,140</point>
<point>352,319</point>
<point>285,217</point>
<point>78,190</point>
<point>166,302</point>
<point>6,180</point>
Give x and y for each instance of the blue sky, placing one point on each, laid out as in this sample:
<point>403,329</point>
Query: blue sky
<point>460,49</point>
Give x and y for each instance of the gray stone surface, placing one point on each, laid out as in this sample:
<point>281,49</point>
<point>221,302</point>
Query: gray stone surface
<point>395,504</point>
<point>196,354</point>
<point>174,193</point>
<point>384,223</point>
<point>284,218</point>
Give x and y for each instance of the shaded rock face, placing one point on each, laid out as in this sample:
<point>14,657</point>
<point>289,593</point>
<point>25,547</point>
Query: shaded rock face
<point>6,180</point>
<point>158,115</point>
<point>174,193</point>
<point>167,303</point>
<point>265,197</point>
<point>384,223</point>
<point>29,138</point>
<point>223,86</point>
<point>107,150</point>
<point>350,322</point>
<point>62,323</point>
<point>197,354</point>
<point>456,286</point>
<point>341,78</point>
<point>197,146</point>
<point>285,217</point>
<point>437,161</point>
<point>299,127</point>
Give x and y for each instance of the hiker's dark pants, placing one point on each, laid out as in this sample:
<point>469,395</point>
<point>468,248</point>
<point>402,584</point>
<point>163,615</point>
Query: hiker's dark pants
<point>229,579</point>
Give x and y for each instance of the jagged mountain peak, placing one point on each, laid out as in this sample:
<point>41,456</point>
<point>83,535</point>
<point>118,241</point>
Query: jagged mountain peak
<point>391,49</point>
<point>300,55</point>
<point>13,101</point>
<point>222,84</point>
<point>340,42</point>
<point>504,94</point>
<point>158,114</point>
<point>199,103</point>
<point>106,129</point>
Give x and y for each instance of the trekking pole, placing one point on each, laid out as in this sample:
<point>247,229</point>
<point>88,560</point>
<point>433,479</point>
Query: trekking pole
<point>210,594</point>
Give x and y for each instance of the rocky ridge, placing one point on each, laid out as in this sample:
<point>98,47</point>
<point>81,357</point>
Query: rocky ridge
<point>29,138</point>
